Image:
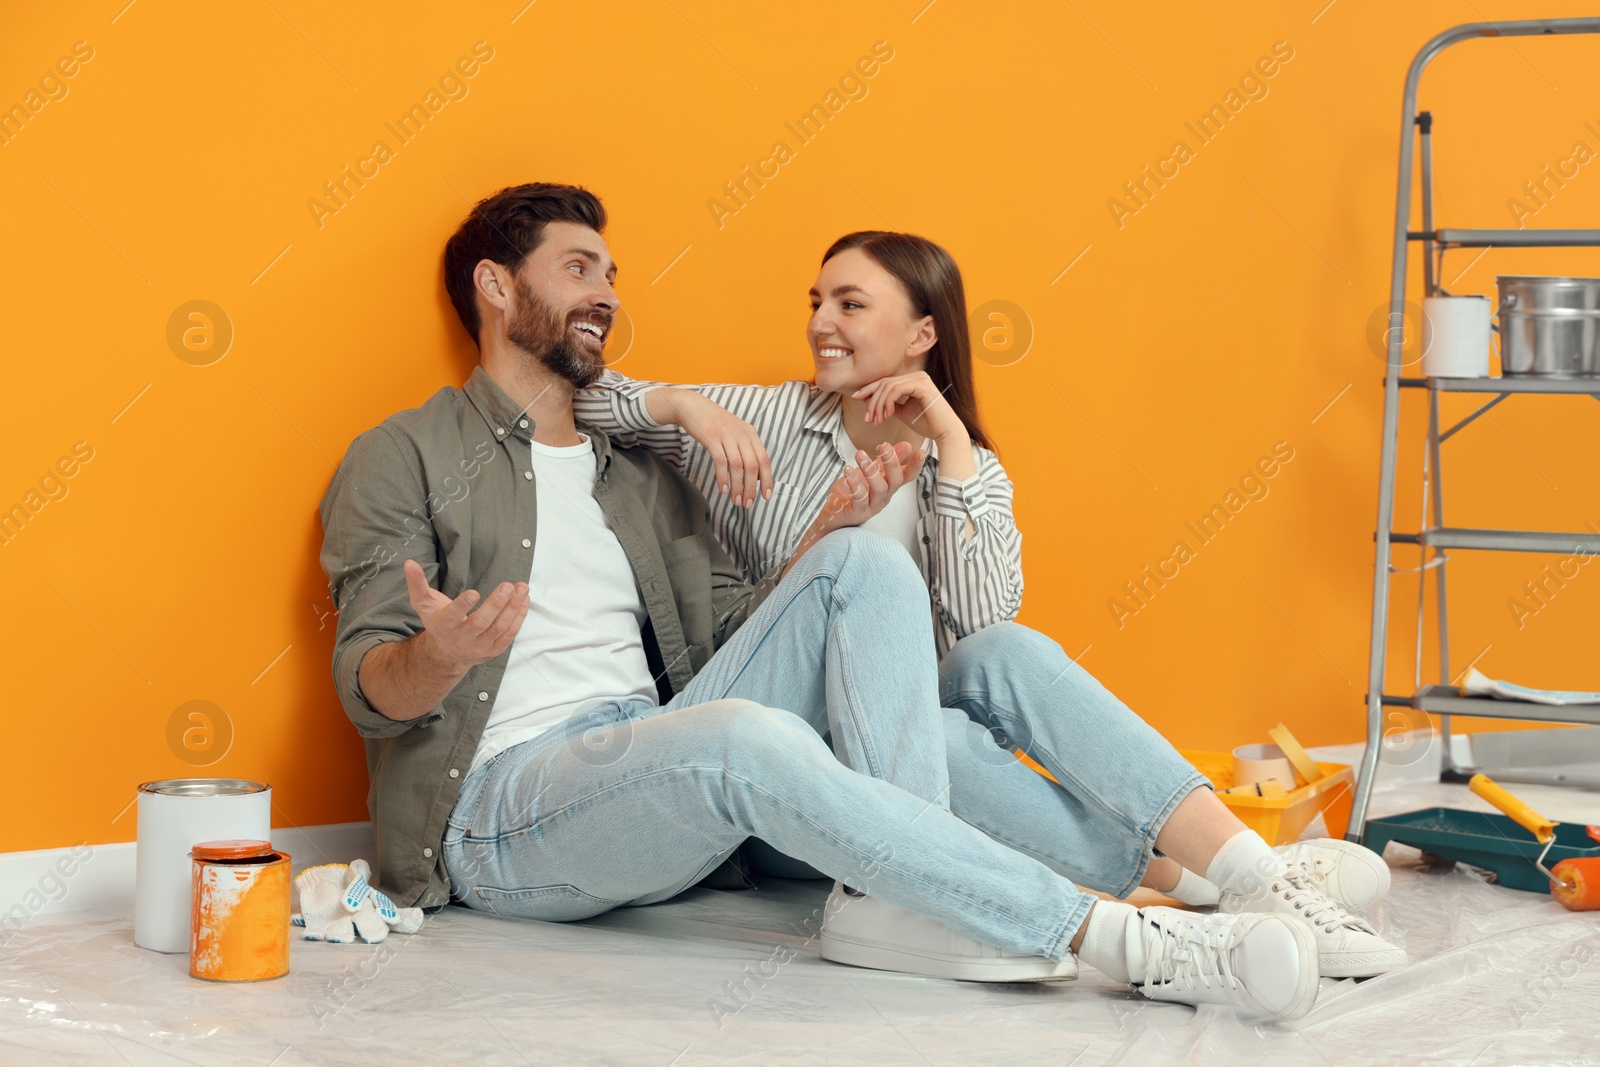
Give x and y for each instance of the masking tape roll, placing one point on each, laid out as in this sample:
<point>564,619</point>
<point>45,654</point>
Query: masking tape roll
<point>1257,763</point>
<point>1303,763</point>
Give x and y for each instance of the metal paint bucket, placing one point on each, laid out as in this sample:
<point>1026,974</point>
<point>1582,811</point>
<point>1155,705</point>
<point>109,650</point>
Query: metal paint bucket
<point>239,929</point>
<point>1549,327</point>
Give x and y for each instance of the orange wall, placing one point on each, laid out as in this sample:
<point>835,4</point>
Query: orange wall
<point>1223,317</point>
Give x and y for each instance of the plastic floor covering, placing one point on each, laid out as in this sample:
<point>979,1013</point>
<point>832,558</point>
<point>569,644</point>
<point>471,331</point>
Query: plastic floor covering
<point>1498,976</point>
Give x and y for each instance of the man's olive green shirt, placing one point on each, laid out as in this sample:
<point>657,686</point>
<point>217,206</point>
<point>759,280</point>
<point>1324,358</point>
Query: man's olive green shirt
<point>451,485</point>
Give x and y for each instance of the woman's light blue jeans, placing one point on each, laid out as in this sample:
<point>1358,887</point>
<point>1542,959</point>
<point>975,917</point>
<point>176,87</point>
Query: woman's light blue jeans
<point>920,802</point>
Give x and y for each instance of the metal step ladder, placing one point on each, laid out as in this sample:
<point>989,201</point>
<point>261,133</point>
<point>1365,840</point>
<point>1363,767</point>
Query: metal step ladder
<point>1443,698</point>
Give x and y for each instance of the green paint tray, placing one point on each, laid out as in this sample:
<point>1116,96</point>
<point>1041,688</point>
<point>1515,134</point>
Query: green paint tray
<point>1493,842</point>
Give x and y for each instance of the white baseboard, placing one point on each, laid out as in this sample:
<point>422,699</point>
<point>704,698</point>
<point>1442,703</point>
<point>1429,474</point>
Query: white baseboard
<point>50,880</point>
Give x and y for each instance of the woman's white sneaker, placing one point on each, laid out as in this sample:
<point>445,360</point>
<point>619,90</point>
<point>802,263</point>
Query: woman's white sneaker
<point>1260,965</point>
<point>1347,946</point>
<point>1344,872</point>
<point>864,931</point>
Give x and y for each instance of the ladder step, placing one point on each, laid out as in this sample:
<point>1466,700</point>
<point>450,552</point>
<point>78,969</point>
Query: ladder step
<point>1511,540</point>
<point>1517,238</point>
<point>1447,700</point>
<point>1529,384</point>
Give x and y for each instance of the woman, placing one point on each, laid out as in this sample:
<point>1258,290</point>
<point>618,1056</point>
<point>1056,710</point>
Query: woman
<point>893,394</point>
<point>885,372</point>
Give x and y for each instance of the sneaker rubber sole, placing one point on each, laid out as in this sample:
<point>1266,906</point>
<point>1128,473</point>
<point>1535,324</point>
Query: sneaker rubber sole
<point>881,956</point>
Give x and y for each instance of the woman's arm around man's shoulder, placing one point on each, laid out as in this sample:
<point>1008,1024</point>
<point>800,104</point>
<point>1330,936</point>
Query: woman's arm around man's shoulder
<point>732,423</point>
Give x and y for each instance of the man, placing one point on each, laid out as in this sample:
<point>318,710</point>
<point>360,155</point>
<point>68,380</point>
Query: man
<point>572,702</point>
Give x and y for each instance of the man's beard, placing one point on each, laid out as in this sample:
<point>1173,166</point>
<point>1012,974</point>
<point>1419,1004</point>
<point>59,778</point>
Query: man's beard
<point>542,331</point>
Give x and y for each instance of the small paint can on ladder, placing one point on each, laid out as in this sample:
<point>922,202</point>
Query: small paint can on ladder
<point>239,925</point>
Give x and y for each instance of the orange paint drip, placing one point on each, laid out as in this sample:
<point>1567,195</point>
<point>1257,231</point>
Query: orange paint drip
<point>239,923</point>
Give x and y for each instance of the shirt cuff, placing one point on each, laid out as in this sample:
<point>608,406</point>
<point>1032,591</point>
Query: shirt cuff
<point>633,411</point>
<point>368,720</point>
<point>960,500</point>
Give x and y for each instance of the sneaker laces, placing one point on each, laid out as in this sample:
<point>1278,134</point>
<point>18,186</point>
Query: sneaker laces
<point>1196,950</point>
<point>1297,888</point>
<point>1316,870</point>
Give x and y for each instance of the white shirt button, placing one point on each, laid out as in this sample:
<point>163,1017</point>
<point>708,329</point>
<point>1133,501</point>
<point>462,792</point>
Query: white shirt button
<point>528,475</point>
<point>483,696</point>
<point>454,773</point>
<point>499,431</point>
<point>523,424</point>
<point>428,852</point>
<point>526,543</point>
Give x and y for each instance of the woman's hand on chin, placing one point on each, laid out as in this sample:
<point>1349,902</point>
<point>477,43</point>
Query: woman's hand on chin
<point>742,464</point>
<point>914,400</point>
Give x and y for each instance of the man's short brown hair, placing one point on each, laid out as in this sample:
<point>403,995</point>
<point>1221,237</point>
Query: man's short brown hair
<point>504,228</point>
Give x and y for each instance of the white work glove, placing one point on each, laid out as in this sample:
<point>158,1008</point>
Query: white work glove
<point>358,893</point>
<point>338,903</point>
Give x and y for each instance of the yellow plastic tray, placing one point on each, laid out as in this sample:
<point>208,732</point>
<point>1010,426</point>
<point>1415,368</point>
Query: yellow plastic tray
<point>1280,820</point>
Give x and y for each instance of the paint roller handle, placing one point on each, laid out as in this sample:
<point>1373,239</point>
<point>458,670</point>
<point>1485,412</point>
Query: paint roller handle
<point>1524,816</point>
<point>1567,886</point>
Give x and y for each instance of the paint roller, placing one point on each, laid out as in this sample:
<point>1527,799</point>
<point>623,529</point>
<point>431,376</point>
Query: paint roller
<point>1575,883</point>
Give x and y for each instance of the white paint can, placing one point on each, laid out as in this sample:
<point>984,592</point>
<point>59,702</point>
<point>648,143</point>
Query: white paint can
<point>1456,335</point>
<point>175,814</point>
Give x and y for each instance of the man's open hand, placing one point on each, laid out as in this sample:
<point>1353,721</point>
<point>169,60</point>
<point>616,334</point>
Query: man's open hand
<point>462,639</point>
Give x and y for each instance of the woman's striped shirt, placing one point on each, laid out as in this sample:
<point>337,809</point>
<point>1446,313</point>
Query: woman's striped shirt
<point>974,580</point>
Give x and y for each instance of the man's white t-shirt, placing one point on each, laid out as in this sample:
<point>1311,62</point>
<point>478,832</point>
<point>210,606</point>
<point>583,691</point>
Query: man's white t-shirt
<point>580,643</point>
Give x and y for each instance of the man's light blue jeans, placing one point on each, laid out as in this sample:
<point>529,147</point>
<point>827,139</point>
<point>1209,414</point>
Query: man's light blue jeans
<point>920,802</point>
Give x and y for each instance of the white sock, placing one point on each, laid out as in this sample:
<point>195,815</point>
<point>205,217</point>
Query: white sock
<point>1193,889</point>
<point>1105,938</point>
<point>1243,863</point>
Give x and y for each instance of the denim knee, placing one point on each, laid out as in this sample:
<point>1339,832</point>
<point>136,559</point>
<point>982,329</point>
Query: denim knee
<point>755,738</point>
<point>996,644</point>
<point>862,553</point>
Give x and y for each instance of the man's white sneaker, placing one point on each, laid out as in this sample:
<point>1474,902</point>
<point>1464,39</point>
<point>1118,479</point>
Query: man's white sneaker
<point>1347,946</point>
<point>1345,872</point>
<point>1261,965</point>
<point>864,931</point>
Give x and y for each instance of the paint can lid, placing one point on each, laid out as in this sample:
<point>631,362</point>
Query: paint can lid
<point>238,849</point>
<point>202,787</point>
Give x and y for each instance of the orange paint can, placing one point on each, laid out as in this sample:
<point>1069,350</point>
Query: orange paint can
<point>239,919</point>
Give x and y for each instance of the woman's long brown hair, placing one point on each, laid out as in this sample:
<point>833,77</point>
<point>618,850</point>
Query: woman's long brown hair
<point>932,281</point>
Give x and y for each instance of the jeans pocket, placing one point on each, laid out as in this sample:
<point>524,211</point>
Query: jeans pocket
<point>550,903</point>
